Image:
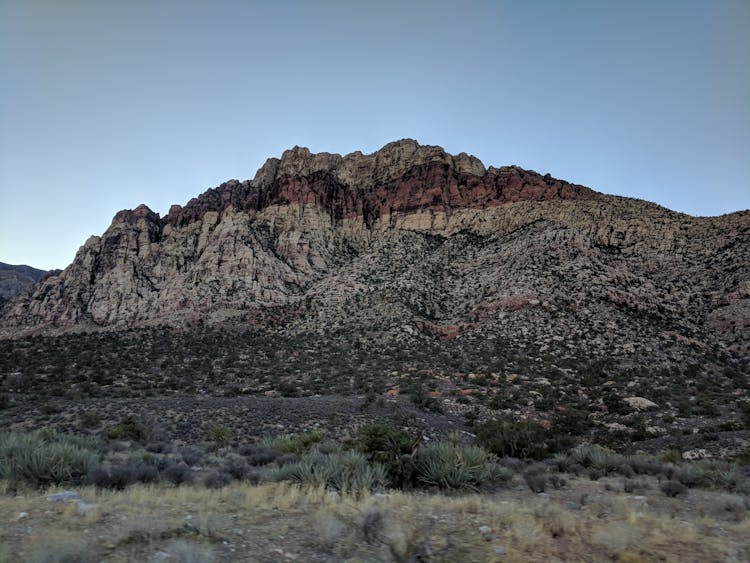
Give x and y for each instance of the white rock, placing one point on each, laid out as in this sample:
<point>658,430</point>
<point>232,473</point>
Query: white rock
<point>640,403</point>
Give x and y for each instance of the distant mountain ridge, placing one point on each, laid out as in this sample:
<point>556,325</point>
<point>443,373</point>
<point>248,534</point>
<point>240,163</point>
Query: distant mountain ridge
<point>411,240</point>
<point>14,279</point>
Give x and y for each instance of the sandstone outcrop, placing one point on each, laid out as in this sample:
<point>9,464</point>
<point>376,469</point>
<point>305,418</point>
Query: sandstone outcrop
<point>411,235</point>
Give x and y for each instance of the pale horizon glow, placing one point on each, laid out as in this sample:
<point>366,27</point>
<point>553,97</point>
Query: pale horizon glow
<point>105,105</point>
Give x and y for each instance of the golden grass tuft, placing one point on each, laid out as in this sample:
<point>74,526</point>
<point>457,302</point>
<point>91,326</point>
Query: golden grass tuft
<point>254,520</point>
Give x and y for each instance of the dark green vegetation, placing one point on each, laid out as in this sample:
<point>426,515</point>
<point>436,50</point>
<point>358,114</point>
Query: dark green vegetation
<point>381,457</point>
<point>531,402</point>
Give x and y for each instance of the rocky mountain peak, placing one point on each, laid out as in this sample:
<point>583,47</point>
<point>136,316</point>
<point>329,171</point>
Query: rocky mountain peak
<point>364,170</point>
<point>409,235</point>
<point>133,215</point>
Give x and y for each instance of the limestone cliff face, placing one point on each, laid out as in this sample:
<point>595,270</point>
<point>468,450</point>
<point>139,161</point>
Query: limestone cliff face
<point>407,235</point>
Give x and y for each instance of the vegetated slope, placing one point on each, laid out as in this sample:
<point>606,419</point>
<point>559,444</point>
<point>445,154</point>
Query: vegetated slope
<point>14,279</point>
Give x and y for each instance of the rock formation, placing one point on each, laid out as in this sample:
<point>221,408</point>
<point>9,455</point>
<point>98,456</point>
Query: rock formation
<point>410,238</point>
<point>14,279</point>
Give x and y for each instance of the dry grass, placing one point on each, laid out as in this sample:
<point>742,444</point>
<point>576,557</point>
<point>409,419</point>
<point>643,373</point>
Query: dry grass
<point>283,522</point>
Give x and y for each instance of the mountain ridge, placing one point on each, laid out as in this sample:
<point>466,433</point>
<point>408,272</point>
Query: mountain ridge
<point>408,236</point>
<point>15,278</point>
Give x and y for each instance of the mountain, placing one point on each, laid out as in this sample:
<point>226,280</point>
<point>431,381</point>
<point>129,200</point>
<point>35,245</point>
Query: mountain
<point>411,241</point>
<point>14,279</point>
<point>476,293</point>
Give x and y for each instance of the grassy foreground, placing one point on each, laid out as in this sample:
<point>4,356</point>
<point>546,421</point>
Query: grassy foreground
<point>285,522</point>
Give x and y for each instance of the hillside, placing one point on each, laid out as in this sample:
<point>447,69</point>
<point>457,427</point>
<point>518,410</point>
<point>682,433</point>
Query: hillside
<point>474,290</point>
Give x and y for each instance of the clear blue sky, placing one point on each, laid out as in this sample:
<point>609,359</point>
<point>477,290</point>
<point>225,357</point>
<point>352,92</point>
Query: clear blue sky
<point>106,104</point>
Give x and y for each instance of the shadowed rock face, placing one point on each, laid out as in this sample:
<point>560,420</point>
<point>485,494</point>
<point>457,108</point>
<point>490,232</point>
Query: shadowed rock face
<point>14,279</point>
<point>410,236</point>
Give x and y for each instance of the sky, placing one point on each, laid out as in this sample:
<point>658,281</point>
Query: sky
<point>107,104</point>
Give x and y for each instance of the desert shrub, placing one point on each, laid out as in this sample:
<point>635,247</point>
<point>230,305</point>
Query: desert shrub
<point>690,475</point>
<point>577,469</point>
<point>89,419</point>
<point>536,481</point>
<point>513,463</point>
<point>390,447</point>
<point>236,466</point>
<point>220,434</point>
<point>158,447</point>
<point>615,404</point>
<point>625,470</point>
<point>727,479</point>
<point>347,471</point>
<point>596,457</point>
<point>561,462</point>
<point>557,481</point>
<point>42,458</point>
<point>286,459</point>
<point>216,480</point>
<point>633,485</point>
<point>178,474</point>
<point>646,465</point>
<point>192,455</point>
<point>123,475</point>
<point>128,429</point>
<point>734,506</point>
<point>421,399</point>
<point>145,473</point>
<point>500,476</point>
<point>671,456</point>
<point>259,455</point>
<point>513,438</point>
<point>595,474</point>
<point>673,488</point>
<point>294,443</point>
<point>449,465</point>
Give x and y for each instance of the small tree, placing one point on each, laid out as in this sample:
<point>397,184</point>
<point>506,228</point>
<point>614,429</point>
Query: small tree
<point>221,435</point>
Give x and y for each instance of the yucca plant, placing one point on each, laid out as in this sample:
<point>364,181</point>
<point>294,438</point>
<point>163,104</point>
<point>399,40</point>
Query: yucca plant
<point>221,435</point>
<point>344,471</point>
<point>44,458</point>
<point>453,466</point>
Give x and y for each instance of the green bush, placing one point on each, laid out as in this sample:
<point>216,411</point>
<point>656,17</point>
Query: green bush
<point>390,447</point>
<point>294,443</point>
<point>673,488</point>
<point>128,429</point>
<point>89,419</point>
<point>44,458</point>
<point>220,434</point>
<point>344,471</point>
<point>449,465</point>
<point>506,437</point>
<point>597,457</point>
<point>672,455</point>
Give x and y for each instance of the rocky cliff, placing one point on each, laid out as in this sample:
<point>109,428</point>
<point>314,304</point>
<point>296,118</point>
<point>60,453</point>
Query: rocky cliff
<point>14,279</point>
<point>411,240</point>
